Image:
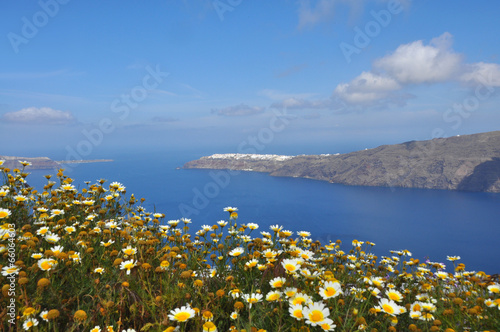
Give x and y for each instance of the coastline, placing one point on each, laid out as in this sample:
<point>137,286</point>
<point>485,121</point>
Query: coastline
<point>14,162</point>
<point>463,163</point>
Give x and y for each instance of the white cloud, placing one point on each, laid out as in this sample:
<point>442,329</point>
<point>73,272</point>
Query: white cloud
<point>487,74</point>
<point>366,88</point>
<point>238,110</point>
<point>417,63</point>
<point>43,115</point>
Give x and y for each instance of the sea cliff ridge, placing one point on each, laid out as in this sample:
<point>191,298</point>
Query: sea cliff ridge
<point>467,163</point>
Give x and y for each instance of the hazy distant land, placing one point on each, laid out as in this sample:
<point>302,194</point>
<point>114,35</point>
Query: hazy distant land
<point>43,162</point>
<point>468,162</point>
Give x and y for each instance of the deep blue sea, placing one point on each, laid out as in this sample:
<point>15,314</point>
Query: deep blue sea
<point>430,223</point>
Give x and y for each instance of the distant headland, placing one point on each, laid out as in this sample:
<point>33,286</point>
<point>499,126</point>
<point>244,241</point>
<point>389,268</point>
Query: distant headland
<point>467,162</point>
<point>43,162</point>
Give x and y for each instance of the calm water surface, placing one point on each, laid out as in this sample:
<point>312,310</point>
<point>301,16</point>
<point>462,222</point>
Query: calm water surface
<point>430,223</point>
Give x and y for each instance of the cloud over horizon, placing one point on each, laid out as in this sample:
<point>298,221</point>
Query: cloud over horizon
<point>481,73</point>
<point>414,64</point>
<point>43,115</point>
<point>366,88</point>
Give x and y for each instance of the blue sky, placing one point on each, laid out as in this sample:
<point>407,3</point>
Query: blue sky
<point>309,76</point>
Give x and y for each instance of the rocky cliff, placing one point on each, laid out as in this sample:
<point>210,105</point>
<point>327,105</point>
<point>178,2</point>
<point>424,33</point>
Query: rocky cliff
<point>469,163</point>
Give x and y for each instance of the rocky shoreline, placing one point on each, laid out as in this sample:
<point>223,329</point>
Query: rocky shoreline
<point>467,163</point>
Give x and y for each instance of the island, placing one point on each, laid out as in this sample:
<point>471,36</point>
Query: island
<point>42,162</point>
<point>466,163</point>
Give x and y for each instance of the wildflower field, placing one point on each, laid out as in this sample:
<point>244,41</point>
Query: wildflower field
<point>95,260</point>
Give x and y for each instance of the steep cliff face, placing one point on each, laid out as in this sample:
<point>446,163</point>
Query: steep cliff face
<point>469,162</point>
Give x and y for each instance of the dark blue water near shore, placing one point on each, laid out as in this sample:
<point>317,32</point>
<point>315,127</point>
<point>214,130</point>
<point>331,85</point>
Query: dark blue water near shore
<point>430,223</point>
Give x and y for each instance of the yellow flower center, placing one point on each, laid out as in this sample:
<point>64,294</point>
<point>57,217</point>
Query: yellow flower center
<point>330,291</point>
<point>182,316</point>
<point>3,214</point>
<point>316,316</point>
<point>290,267</point>
<point>299,300</point>
<point>298,313</point>
<point>46,265</point>
<point>394,296</point>
<point>128,266</point>
<point>387,308</point>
